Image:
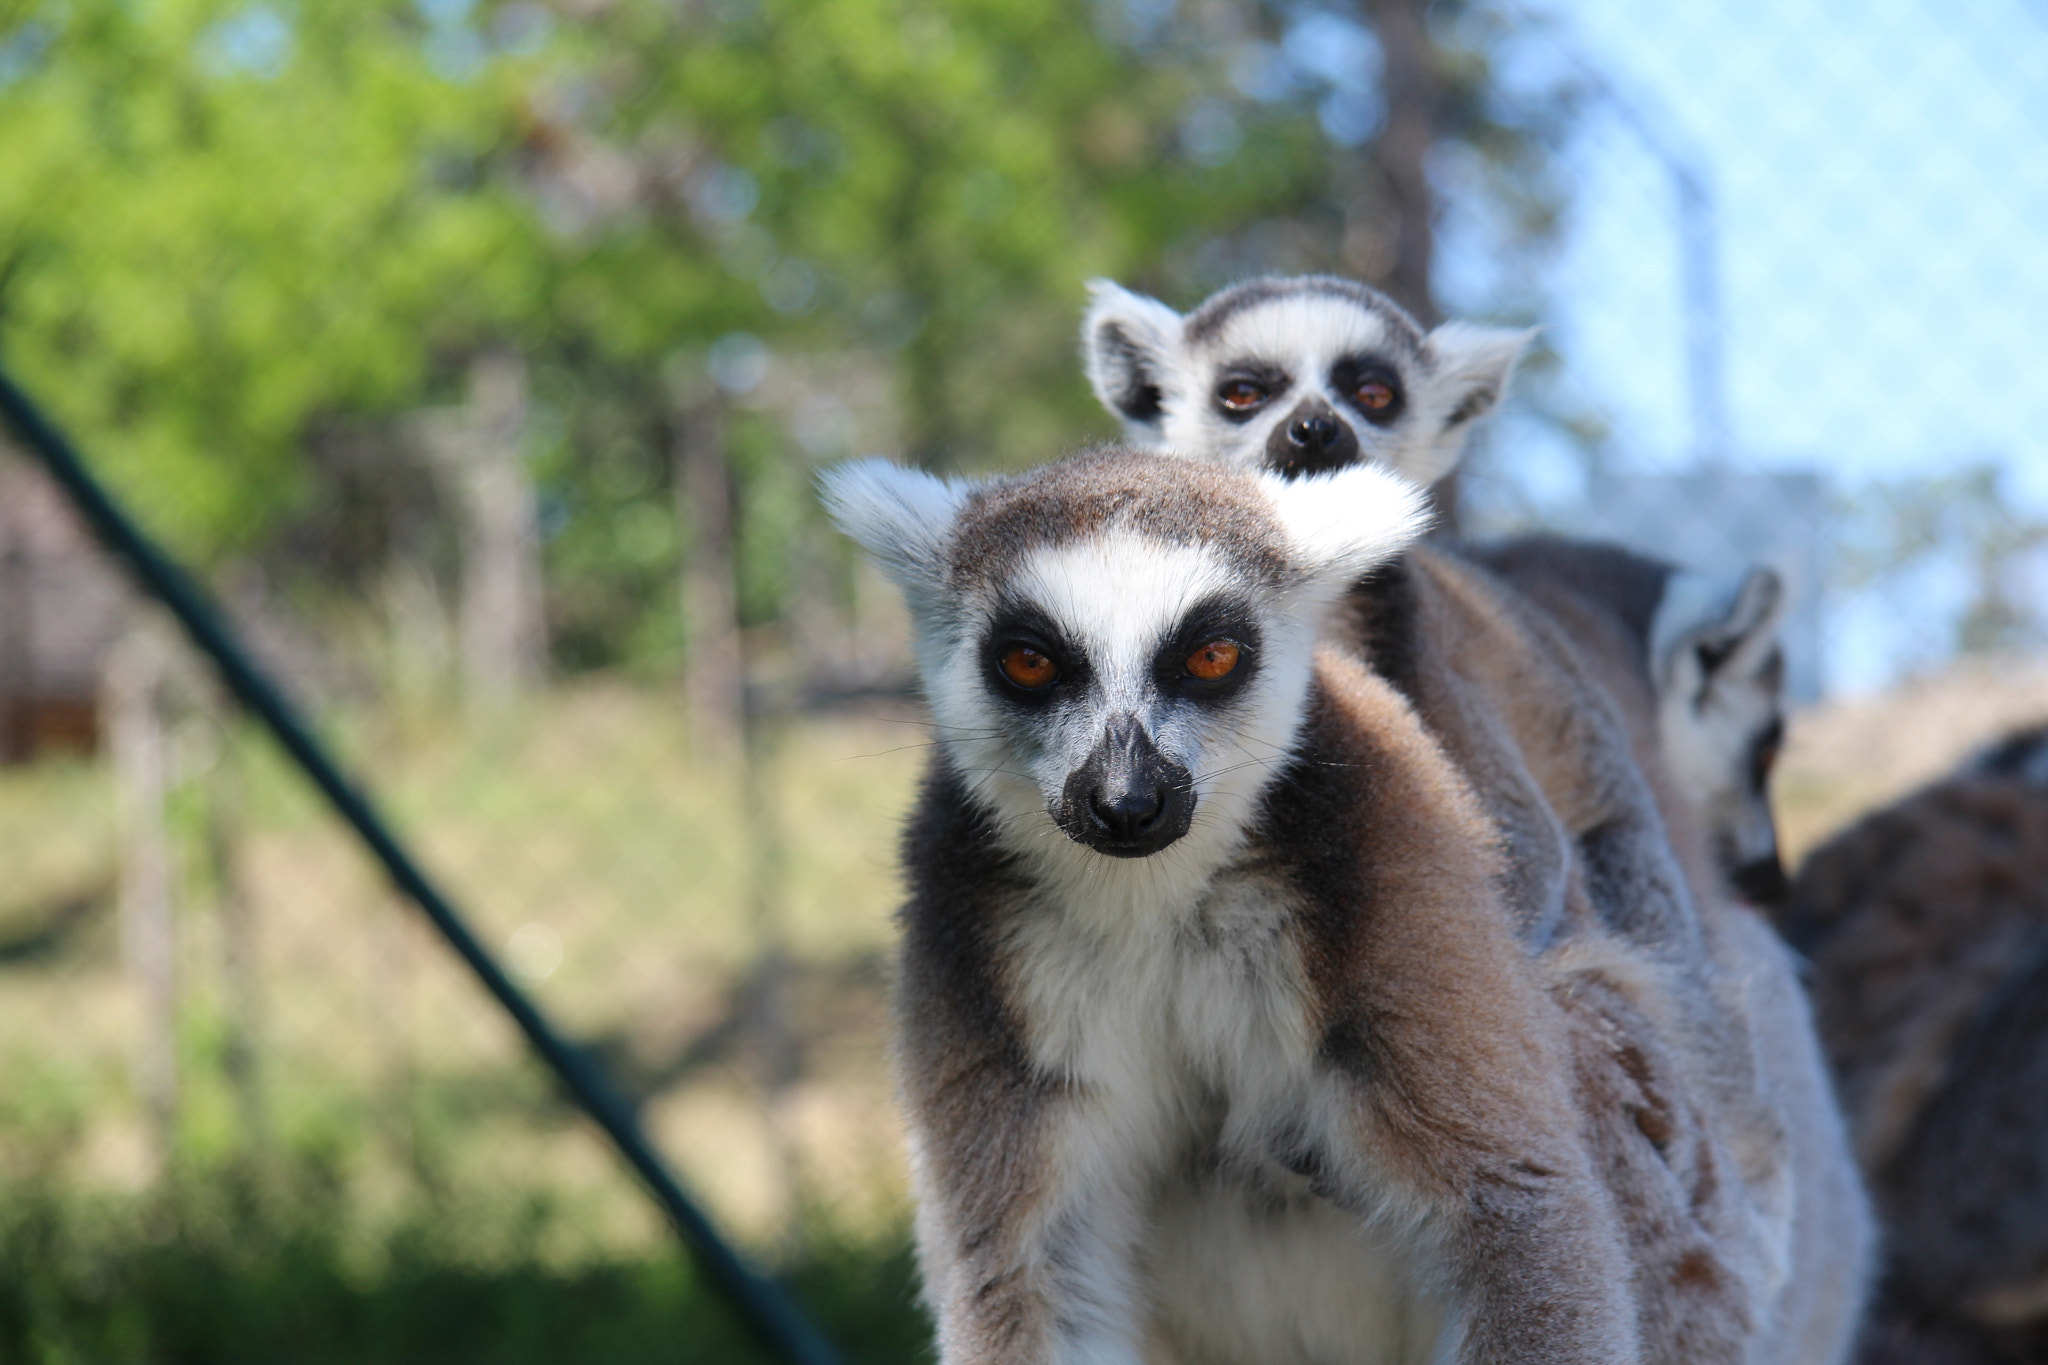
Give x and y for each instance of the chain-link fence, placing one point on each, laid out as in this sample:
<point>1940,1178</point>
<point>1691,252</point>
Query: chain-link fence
<point>493,426</point>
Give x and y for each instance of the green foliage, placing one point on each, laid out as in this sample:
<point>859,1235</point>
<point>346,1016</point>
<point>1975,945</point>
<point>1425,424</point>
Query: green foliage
<point>233,228</point>
<point>220,1274</point>
<point>219,221</point>
<point>946,176</point>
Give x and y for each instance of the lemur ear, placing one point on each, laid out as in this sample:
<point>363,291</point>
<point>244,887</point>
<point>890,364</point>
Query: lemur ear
<point>1343,524</point>
<point>1468,380</point>
<point>1715,629</point>
<point>900,516</point>
<point>1128,343</point>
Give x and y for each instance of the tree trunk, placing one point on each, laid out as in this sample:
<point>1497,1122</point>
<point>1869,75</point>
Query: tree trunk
<point>728,728</point>
<point>1392,239</point>
<point>242,1049</point>
<point>1403,237</point>
<point>477,451</point>
<point>714,684</point>
<point>134,689</point>
<point>17,647</point>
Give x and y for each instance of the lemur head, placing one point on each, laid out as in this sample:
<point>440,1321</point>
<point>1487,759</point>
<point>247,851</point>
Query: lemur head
<point>1720,677</point>
<point>1295,375</point>
<point>1708,643</point>
<point>1116,648</point>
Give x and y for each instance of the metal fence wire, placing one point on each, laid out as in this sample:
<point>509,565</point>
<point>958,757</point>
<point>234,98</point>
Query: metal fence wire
<point>764,1308</point>
<point>479,355</point>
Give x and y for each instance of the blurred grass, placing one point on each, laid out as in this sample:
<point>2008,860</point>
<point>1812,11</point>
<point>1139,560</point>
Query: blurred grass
<point>1856,754</point>
<point>215,1274</point>
<point>414,1188</point>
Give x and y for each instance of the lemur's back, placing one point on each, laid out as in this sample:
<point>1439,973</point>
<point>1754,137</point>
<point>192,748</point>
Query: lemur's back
<point>1676,989</point>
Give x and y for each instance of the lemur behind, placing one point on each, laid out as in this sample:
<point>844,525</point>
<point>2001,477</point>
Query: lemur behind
<point>1223,1032</point>
<point>1308,373</point>
<point>1295,374</point>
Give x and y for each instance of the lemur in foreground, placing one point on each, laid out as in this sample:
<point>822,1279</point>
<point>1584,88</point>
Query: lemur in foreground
<point>1296,374</point>
<point>1927,926</point>
<point>1224,1032</point>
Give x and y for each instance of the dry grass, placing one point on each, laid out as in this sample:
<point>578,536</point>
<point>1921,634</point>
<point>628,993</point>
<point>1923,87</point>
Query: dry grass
<point>583,820</point>
<point>1848,757</point>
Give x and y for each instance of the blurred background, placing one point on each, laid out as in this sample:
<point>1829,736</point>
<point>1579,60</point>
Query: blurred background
<point>480,357</point>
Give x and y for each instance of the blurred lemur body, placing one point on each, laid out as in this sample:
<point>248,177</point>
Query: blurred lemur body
<point>1226,1032</point>
<point>1927,925</point>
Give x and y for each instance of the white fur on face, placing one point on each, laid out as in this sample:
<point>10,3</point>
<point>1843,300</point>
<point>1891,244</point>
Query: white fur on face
<point>1708,742</point>
<point>1116,598</point>
<point>1459,372</point>
<point>1712,720</point>
<point>1302,336</point>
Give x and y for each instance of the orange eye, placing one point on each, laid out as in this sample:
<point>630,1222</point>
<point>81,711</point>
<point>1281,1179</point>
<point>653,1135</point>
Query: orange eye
<point>1026,667</point>
<point>1213,660</point>
<point>1241,395</point>
<point>1374,396</point>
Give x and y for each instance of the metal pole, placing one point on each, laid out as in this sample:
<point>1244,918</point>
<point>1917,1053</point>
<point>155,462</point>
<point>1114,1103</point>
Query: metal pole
<point>760,1304</point>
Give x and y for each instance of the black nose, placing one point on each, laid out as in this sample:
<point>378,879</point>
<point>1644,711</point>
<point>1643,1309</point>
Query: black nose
<point>1312,432</point>
<point>1127,800</point>
<point>1127,812</point>
<point>1310,440</point>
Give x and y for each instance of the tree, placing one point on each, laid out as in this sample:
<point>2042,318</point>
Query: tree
<point>221,221</point>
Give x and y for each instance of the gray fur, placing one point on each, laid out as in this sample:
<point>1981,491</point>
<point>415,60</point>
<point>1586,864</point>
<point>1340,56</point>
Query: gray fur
<point>1303,1085</point>
<point>1710,645</point>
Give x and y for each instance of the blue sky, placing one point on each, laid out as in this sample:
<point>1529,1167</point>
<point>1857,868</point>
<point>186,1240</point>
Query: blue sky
<point>1880,176</point>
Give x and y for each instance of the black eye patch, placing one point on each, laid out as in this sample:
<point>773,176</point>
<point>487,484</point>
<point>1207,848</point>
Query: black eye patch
<point>1244,388</point>
<point>1179,672</point>
<point>1370,386</point>
<point>1022,626</point>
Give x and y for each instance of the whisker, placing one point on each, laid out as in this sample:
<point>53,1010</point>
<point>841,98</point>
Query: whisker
<point>937,725</point>
<point>881,753</point>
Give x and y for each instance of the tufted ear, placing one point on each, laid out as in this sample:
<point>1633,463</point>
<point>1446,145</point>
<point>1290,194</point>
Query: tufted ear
<point>900,516</point>
<point>1715,631</point>
<point>1128,345</point>
<point>1343,524</point>
<point>1467,380</point>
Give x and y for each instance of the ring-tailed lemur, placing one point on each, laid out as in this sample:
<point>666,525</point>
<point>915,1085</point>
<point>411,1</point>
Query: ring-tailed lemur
<point>1305,373</point>
<point>1294,374</point>
<point>1710,643</point>
<point>1926,924</point>
<point>1221,1033</point>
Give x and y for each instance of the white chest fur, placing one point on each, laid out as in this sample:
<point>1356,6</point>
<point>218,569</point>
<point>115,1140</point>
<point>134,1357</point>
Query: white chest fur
<point>1198,1103</point>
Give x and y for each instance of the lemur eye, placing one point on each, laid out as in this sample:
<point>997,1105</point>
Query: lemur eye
<point>1028,668</point>
<point>1241,395</point>
<point>1213,660</point>
<point>1374,395</point>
